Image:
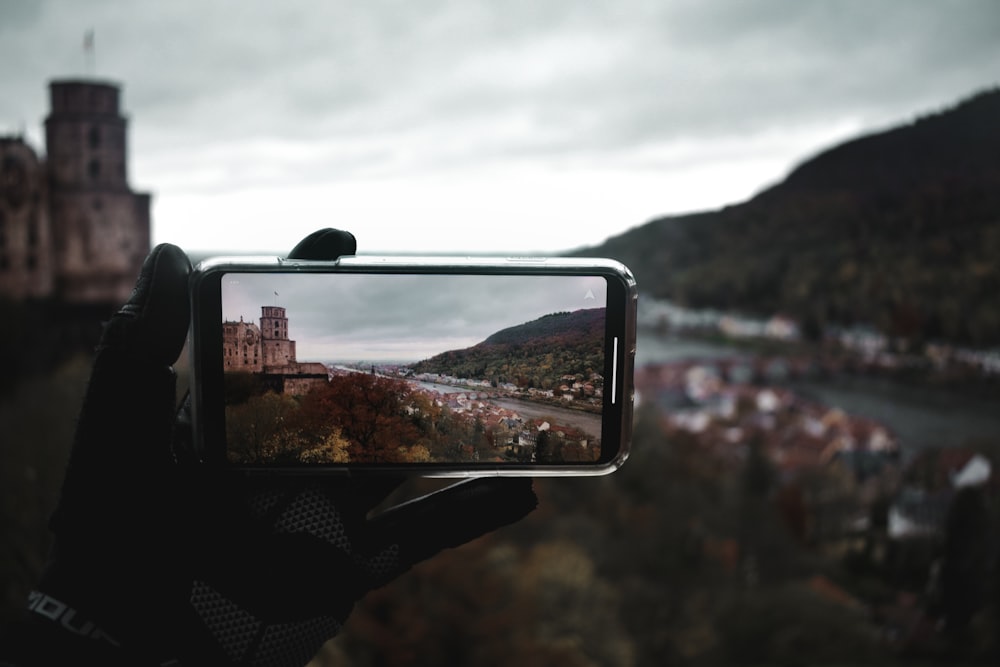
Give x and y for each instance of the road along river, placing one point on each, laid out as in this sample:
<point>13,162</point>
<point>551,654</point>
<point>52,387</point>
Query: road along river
<point>586,421</point>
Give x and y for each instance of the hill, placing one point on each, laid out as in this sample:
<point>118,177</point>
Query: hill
<point>534,354</point>
<point>899,229</point>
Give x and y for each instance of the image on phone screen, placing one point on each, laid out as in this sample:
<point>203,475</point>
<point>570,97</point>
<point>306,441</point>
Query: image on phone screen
<point>361,368</point>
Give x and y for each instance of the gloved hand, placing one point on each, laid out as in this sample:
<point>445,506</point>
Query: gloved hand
<point>158,560</point>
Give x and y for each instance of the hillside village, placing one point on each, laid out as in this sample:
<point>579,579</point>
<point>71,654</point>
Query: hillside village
<point>510,430</point>
<point>841,484</point>
<point>873,347</point>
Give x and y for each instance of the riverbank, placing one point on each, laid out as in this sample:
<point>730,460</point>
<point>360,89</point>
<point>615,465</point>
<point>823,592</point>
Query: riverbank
<point>921,408</point>
<point>933,367</point>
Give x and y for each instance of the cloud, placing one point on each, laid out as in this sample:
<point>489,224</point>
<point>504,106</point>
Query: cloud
<point>239,107</point>
<point>395,312</point>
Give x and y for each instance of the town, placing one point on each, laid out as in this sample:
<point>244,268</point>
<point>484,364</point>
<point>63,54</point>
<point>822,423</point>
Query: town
<point>512,419</point>
<point>439,417</point>
<point>845,487</point>
<point>864,342</point>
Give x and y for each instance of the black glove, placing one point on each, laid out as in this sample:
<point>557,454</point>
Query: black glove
<point>160,561</point>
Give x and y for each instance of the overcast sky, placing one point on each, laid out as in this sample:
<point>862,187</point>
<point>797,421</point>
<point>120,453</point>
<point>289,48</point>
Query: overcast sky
<point>471,126</point>
<point>401,317</point>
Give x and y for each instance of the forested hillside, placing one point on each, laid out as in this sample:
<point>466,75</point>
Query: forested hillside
<point>534,354</point>
<point>899,229</point>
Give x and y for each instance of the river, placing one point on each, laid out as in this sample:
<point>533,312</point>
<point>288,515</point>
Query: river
<point>586,421</point>
<point>920,416</point>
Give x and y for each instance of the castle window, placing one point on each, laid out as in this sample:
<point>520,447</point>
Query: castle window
<point>32,262</point>
<point>94,136</point>
<point>94,169</point>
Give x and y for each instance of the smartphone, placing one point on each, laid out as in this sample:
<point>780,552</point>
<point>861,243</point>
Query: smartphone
<point>433,366</point>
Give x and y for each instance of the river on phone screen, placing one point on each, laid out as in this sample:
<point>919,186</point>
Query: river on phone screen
<point>586,421</point>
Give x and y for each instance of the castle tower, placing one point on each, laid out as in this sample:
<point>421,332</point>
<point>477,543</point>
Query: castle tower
<point>278,350</point>
<point>25,251</point>
<point>100,228</point>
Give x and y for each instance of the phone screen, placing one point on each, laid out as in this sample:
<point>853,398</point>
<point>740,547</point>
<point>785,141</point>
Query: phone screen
<point>415,369</point>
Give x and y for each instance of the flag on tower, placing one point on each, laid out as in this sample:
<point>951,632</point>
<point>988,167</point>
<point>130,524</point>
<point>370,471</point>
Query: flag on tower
<point>89,54</point>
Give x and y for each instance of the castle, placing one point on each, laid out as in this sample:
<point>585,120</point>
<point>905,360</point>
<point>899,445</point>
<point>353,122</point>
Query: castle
<point>71,228</point>
<point>267,350</point>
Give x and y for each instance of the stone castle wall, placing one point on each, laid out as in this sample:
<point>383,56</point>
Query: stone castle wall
<point>71,228</point>
<point>266,349</point>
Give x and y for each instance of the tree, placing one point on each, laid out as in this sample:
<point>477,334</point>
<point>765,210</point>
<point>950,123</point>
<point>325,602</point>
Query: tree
<point>334,448</point>
<point>415,454</point>
<point>544,448</point>
<point>370,411</point>
<point>965,569</point>
<point>258,430</point>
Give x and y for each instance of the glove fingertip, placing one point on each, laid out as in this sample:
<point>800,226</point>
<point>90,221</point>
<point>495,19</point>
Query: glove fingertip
<point>153,323</point>
<point>325,244</point>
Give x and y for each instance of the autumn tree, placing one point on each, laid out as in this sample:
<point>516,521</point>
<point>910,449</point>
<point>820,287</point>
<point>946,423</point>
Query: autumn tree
<point>372,413</point>
<point>254,428</point>
<point>334,448</point>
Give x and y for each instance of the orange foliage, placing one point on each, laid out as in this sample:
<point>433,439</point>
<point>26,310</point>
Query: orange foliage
<point>369,410</point>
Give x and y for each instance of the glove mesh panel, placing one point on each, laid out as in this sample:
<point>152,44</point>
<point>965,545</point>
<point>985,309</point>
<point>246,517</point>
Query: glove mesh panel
<point>232,627</point>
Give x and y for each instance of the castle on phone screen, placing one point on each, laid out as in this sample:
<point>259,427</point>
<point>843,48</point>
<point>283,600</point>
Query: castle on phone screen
<point>266,349</point>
